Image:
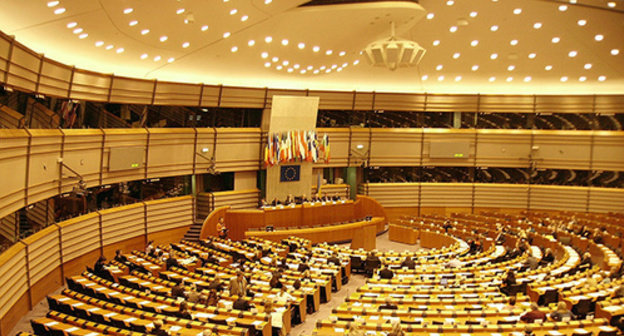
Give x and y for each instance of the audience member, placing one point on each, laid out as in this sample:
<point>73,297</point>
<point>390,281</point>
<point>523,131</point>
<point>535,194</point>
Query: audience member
<point>158,330</point>
<point>241,304</point>
<point>388,305</point>
<point>409,263</point>
<point>562,313</point>
<point>396,328</point>
<point>533,315</point>
<point>386,273</point>
<point>183,311</point>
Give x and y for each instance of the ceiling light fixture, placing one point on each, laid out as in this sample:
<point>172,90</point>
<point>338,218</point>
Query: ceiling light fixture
<point>573,53</point>
<point>284,42</point>
<point>599,37</point>
<point>244,18</point>
<point>268,39</point>
<point>128,10</point>
<point>587,66</point>
<point>517,11</point>
<point>394,52</point>
<point>329,52</point>
<point>83,36</point>
<point>233,11</point>
<point>494,28</point>
<point>527,79</point>
<point>119,50</point>
<point>133,23</point>
<point>509,79</point>
<point>602,78</point>
<point>532,55</point>
<point>251,43</point>
<point>513,42</point>
<point>436,43</point>
<point>59,11</point>
<point>581,22</point>
<point>163,38</point>
<point>72,25</point>
<point>494,56</point>
<point>556,40</point>
<point>615,52</point>
<point>144,56</point>
<point>171,60</point>
<point>204,28</point>
<point>548,67</point>
<point>491,79</point>
<point>475,67</point>
<point>430,16</point>
<point>563,8</point>
<point>180,11</point>
<point>226,34</point>
<point>99,43</point>
<point>474,43</point>
<point>582,79</point>
<point>157,58</point>
<point>456,55</point>
<point>145,31</point>
<point>537,25</point>
<point>186,44</point>
<point>316,48</point>
<point>564,78</point>
<point>473,14</point>
<point>234,49</point>
<point>53,3</point>
<point>453,29</point>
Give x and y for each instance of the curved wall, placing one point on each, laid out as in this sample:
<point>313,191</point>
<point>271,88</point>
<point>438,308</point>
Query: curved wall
<point>37,265</point>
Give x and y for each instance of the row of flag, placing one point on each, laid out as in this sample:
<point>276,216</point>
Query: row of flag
<point>69,113</point>
<point>294,146</point>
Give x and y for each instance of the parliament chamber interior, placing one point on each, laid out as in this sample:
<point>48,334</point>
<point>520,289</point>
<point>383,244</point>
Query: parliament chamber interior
<point>323,167</point>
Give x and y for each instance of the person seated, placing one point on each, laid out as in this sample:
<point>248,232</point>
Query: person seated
<point>216,283</point>
<point>275,281</point>
<point>193,295</point>
<point>586,260</point>
<point>241,304</point>
<point>297,284</point>
<point>315,198</point>
<point>177,291</point>
<point>562,313</point>
<point>333,259</point>
<point>303,267</point>
<point>158,330</point>
<point>171,262</point>
<point>386,273</point>
<point>149,249</point>
<point>409,263</point>
<point>263,203</point>
<point>302,199</point>
<point>531,262</point>
<point>336,197</point>
<point>533,315</point>
<point>396,330</point>
<point>454,263</point>
<point>183,311</point>
<point>618,292</point>
<point>306,276</point>
<point>120,257</point>
<point>528,330</point>
<point>290,199</point>
<point>355,329</point>
<point>388,305</point>
<point>508,282</point>
<point>548,257</point>
<point>213,298</point>
<point>276,202</point>
<point>99,266</point>
<point>284,296</point>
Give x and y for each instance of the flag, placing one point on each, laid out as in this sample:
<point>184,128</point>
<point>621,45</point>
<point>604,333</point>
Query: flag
<point>143,117</point>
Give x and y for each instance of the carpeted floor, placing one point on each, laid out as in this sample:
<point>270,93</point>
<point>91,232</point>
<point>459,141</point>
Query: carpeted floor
<point>383,244</point>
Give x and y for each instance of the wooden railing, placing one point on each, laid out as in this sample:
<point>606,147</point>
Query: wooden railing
<point>37,265</point>
<point>26,70</point>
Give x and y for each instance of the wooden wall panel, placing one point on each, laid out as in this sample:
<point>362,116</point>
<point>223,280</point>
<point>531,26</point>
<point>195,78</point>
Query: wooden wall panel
<point>122,223</point>
<point>558,198</point>
<point>43,173</point>
<point>393,194</point>
<point>24,68</point>
<point>180,94</point>
<point>238,149</point>
<point>5,47</point>
<point>606,200</point>
<point>44,252</point>
<point>360,137</point>
<point>334,100</point>
<point>364,101</point>
<point>242,199</point>
<point>282,92</point>
<point>562,150</point>
<point>91,86</point>
<point>452,103</point>
<point>339,147</point>
<point>608,151</point>
<point>80,235</point>
<point>506,103</point>
<point>12,276</point>
<point>136,138</point>
<point>169,213</point>
<point>446,195</point>
<point>399,102</point>
<point>497,148</point>
<point>205,139</point>
<point>501,195</point>
<point>242,97</point>
<point>448,135</point>
<point>82,152</point>
<point>132,91</point>
<point>396,147</point>
<point>8,227</point>
<point>13,156</point>
<point>608,104</point>
<point>564,104</point>
<point>332,189</point>
<point>171,152</point>
<point>210,95</point>
<point>55,78</point>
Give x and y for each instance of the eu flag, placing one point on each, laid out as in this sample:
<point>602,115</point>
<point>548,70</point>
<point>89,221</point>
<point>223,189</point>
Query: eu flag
<point>289,173</point>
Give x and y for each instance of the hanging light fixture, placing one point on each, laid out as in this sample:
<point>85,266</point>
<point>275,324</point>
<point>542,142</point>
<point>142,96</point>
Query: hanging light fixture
<point>394,52</point>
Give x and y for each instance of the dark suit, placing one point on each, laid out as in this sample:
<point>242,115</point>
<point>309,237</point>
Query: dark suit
<point>241,304</point>
<point>386,274</point>
<point>388,306</point>
<point>334,260</point>
<point>409,263</point>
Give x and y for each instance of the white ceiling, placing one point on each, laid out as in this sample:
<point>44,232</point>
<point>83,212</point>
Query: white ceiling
<point>340,28</point>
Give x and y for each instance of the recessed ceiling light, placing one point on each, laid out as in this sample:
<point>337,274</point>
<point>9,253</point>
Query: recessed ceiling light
<point>163,38</point>
<point>234,49</point>
<point>458,78</point>
<point>527,78</point>
<point>285,42</point>
<point>279,67</point>
<point>78,30</point>
<point>316,71</point>
<point>611,4</point>
<point>424,77</point>
<point>473,14</point>
<point>430,16</point>
<point>599,37</point>
<point>186,44</point>
<point>450,3</point>
<point>204,28</point>
<point>475,67</point>
<point>509,79</point>
<point>290,70</point>
<point>145,31</point>
<point>517,11</point>
<point>548,67</point>
<point>322,68</point>
<point>226,34</point>
<point>251,43</point>
<point>316,48</point>
<point>267,64</point>
<point>439,67</point>
<point>456,55</point>
<point>328,52</point>
<point>99,43</point>
<point>564,78</point>
<point>615,52</point>
<point>511,68</point>
<point>264,54</point>
<point>266,2</point>
<point>556,39</point>
<point>474,43</point>
<point>53,3</point>
<point>274,59</point>
<point>436,42</point>
<point>334,66</point>
<point>587,66</point>
<point>59,11</point>
<point>170,60</point>
<point>537,25</point>
<point>119,50</point>
<point>453,29</point>
<point>573,53</point>
<point>285,63</point>
<point>494,28</point>
<point>356,62</point>
<point>582,79</point>
<point>581,22</point>
<point>342,53</point>
<point>532,55</point>
<point>494,56</point>
<point>109,47</point>
<point>440,78</point>
<point>296,66</point>
<point>563,8</point>
<point>244,18</point>
<point>268,39</point>
<point>144,56</point>
<point>304,71</point>
<point>491,79</point>
<point>602,78</point>
<point>83,36</point>
<point>133,23</point>
<point>72,25</point>
<point>310,67</point>
<point>233,11</point>
<point>513,42</point>
<point>180,11</point>
<point>128,10</point>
